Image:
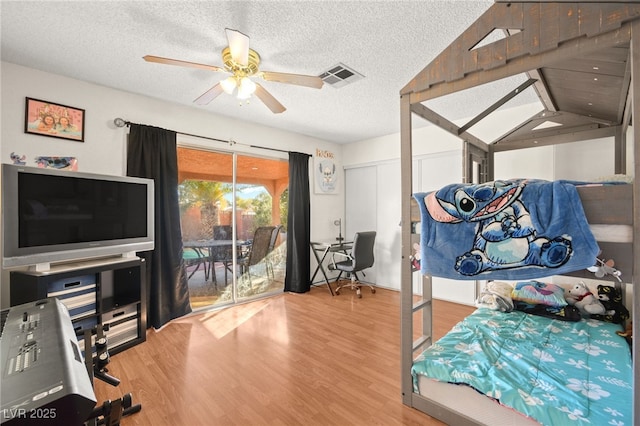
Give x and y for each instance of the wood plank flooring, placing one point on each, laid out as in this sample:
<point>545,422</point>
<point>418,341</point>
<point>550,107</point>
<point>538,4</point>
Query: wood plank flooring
<point>293,359</point>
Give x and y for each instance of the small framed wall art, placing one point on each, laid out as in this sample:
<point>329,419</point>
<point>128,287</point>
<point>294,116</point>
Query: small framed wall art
<point>326,172</point>
<point>54,120</point>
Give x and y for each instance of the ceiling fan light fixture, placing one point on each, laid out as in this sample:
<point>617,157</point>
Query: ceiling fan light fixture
<point>241,64</point>
<point>229,84</point>
<point>246,88</point>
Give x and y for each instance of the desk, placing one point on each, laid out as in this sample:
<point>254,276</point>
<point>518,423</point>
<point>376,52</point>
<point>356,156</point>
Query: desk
<point>326,247</point>
<point>210,246</point>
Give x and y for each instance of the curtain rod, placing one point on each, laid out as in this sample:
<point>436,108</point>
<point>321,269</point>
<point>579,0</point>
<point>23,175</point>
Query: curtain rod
<point>119,122</point>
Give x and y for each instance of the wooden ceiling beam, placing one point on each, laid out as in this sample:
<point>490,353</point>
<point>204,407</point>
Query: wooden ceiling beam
<point>423,91</point>
<point>578,29</point>
<point>512,94</point>
<point>573,134</point>
<point>435,118</point>
<point>542,91</point>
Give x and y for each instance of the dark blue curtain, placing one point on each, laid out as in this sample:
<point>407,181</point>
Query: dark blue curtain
<point>298,225</point>
<point>151,153</point>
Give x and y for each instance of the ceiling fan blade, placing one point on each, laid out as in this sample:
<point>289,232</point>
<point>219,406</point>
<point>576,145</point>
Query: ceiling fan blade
<point>238,45</point>
<point>268,99</point>
<point>161,60</point>
<point>209,95</point>
<point>298,79</point>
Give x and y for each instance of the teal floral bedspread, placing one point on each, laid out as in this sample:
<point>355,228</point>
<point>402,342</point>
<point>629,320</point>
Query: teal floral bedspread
<point>555,372</point>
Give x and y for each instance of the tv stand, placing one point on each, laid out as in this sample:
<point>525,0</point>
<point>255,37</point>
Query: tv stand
<point>105,291</point>
<point>40,267</point>
<point>47,268</point>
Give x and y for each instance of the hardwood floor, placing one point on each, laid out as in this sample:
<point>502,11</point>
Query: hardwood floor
<point>292,359</point>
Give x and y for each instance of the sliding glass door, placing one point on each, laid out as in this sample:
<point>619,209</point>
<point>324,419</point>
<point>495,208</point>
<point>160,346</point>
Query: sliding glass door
<point>261,210</point>
<point>233,218</point>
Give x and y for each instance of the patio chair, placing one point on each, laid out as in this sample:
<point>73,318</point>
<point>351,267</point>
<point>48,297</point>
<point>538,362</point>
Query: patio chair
<point>222,254</point>
<point>257,252</point>
<point>272,246</point>
<point>193,256</point>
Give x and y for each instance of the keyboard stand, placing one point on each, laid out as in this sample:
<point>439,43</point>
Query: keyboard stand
<point>110,412</point>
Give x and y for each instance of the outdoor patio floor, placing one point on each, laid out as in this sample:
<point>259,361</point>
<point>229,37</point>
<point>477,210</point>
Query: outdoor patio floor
<point>205,293</point>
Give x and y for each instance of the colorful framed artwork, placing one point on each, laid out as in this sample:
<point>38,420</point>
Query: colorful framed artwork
<point>54,120</point>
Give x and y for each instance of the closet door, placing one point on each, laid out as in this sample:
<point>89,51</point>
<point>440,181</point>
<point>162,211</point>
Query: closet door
<point>360,208</point>
<point>388,212</point>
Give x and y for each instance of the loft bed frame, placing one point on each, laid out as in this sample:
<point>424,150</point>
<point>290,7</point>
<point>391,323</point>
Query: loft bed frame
<point>572,53</point>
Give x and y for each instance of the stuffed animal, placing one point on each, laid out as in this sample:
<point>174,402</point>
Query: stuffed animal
<point>17,159</point>
<point>611,299</point>
<point>415,257</point>
<point>627,333</point>
<point>580,297</point>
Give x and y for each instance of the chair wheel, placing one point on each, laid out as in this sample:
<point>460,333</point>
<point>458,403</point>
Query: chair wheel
<point>337,292</point>
<point>373,291</point>
<point>359,296</point>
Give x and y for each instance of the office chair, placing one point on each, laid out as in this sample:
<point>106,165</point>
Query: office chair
<point>360,258</point>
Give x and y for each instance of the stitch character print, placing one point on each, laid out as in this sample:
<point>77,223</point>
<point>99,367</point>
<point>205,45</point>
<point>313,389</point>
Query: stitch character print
<point>505,235</point>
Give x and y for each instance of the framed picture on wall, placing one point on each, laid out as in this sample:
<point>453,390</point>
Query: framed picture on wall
<point>54,120</point>
<point>326,176</point>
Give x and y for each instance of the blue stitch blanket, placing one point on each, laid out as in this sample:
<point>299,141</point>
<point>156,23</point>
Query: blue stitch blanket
<point>512,229</point>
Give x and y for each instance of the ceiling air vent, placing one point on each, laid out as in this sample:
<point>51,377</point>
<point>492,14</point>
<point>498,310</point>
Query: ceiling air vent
<point>340,75</point>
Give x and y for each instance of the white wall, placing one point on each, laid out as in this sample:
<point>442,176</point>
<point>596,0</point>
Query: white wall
<point>103,150</point>
<point>585,160</point>
<point>529,162</point>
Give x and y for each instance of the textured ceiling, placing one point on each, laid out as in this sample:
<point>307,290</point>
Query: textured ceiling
<point>389,42</point>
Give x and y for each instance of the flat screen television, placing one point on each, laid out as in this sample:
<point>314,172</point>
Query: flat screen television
<point>53,216</point>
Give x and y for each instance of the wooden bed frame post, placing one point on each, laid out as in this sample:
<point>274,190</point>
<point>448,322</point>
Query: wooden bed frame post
<point>406,331</point>
<point>467,173</point>
<point>474,163</point>
<point>620,154</point>
<point>635,108</point>
<point>490,163</point>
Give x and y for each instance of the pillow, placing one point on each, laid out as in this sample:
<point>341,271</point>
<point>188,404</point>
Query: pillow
<point>496,295</point>
<point>538,293</point>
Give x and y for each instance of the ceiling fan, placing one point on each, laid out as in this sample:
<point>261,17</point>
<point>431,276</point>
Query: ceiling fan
<point>242,62</point>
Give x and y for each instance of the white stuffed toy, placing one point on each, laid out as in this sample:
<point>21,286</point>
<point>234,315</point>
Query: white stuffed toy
<point>581,297</point>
